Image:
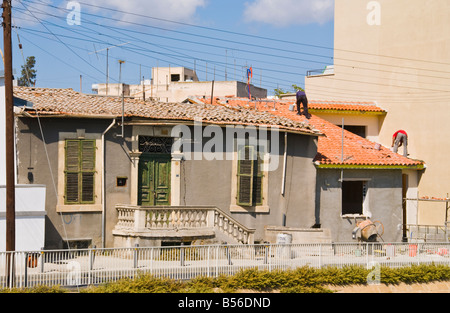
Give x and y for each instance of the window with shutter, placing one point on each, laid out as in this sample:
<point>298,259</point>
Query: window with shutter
<point>249,191</point>
<point>79,171</point>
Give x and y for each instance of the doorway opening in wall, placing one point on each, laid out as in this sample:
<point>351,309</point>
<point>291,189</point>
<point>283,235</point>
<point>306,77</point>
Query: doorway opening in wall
<point>356,129</point>
<point>154,170</point>
<point>175,77</point>
<point>353,197</point>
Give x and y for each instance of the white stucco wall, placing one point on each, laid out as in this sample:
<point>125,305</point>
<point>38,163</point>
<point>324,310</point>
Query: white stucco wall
<point>29,201</point>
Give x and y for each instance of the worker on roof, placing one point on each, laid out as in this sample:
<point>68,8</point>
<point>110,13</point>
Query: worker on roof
<point>400,138</point>
<point>301,98</point>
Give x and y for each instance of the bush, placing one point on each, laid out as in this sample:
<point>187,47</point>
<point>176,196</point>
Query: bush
<point>36,289</point>
<point>144,283</point>
<point>300,280</point>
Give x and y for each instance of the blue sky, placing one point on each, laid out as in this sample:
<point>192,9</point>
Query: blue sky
<point>279,39</point>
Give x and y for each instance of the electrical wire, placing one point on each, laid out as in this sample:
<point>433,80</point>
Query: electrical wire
<point>260,37</point>
<point>60,39</point>
<point>352,60</point>
<point>375,94</point>
<point>255,67</point>
<point>284,72</point>
<point>255,36</point>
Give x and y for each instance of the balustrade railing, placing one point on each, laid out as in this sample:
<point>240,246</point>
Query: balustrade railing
<point>141,219</point>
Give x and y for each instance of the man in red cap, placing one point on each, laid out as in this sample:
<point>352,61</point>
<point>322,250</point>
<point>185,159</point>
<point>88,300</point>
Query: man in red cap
<point>400,138</point>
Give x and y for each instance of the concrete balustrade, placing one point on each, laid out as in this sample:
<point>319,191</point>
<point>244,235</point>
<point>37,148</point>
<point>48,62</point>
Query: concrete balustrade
<point>178,222</point>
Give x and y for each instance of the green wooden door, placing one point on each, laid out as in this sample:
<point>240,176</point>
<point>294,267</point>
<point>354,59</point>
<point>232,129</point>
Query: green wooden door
<point>154,180</point>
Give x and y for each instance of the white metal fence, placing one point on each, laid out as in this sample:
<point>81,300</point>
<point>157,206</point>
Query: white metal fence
<point>94,266</point>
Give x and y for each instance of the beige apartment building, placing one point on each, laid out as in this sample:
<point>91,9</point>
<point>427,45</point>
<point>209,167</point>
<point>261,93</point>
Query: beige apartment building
<point>176,84</point>
<point>397,54</point>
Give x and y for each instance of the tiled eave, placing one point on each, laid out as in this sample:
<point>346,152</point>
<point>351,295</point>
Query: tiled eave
<point>343,111</point>
<point>142,120</point>
<point>370,166</point>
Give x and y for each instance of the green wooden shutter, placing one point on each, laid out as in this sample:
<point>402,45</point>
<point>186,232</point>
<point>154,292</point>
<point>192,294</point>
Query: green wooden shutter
<point>257,181</point>
<point>71,172</point>
<point>79,171</point>
<point>250,177</point>
<point>87,161</point>
<point>245,176</point>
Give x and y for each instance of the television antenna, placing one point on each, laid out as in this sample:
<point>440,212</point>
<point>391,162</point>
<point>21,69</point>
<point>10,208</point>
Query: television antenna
<point>107,60</point>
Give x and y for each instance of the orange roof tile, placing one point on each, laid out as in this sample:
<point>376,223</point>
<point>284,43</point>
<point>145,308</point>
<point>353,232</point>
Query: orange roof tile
<point>357,152</point>
<point>345,106</point>
<point>313,105</point>
<point>67,102</point>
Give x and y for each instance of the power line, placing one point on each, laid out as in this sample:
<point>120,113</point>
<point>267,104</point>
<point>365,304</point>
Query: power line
<point>61,40</point>
<point>115,29</point>
<point>256,36</point>
<point>340,79</point>
<point>142,49</point>
<point>272,55</point>
<point>336,92</point>
<point>58,58</point>
<point>266,47</point>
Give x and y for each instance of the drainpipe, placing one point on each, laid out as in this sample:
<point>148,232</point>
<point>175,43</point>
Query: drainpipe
<point>283,183</point>
<point>104,182</point>
<point>342,153</point>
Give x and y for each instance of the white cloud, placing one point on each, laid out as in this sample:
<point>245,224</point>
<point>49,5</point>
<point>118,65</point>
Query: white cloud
<point>173,10</point>
<point>284,13</point>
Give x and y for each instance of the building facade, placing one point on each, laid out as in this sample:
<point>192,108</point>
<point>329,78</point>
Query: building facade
<point>175,84</point>
<point>396,54</point>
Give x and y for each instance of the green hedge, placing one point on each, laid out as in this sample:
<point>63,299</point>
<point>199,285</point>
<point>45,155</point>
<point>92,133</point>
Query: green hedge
<point>304,279</point>
<point>300,280</point>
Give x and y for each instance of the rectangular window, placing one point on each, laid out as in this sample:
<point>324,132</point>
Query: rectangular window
<point>353,196</point>
<point>79,171</point>
<point>250,177</point>
<point>357,130</point>
<point>175,77</point>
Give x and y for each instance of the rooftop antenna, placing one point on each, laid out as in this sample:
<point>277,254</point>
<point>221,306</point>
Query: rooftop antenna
<point>226,64</point>
<point>107,60</point>
<point>123,94</point>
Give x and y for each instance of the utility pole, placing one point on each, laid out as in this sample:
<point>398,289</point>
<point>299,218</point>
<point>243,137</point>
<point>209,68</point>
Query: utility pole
<point>9,140</point>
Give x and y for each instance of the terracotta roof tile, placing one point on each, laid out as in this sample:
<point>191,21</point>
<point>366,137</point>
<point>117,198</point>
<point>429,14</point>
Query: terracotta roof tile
<point>313,105</point>
<point>345,106</point>
<point>48,101</point>
<point>358,151</point>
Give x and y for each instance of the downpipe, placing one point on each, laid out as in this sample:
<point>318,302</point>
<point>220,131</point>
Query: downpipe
<point>104,183</point>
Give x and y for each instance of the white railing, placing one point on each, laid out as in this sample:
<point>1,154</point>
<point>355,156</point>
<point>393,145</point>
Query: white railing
<point>95,266</point>
<point>141,219</point>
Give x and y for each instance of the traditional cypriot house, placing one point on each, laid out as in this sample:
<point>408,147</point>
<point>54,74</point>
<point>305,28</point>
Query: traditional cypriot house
<point>142,181</point>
